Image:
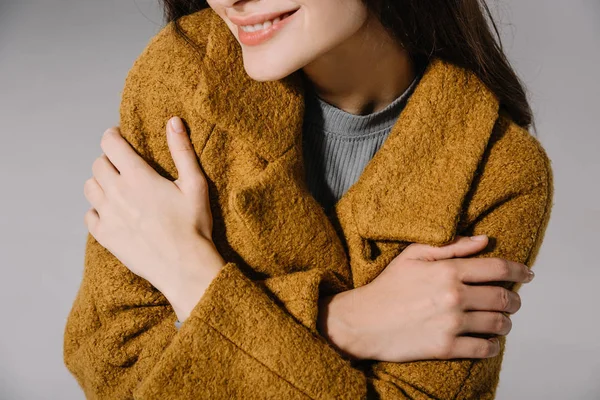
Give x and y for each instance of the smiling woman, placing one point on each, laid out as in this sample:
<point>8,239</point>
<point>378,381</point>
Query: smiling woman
<point>309,235</point>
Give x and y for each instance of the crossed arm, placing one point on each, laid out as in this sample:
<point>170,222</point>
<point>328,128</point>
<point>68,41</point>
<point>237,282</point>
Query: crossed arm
<point>120,341</point>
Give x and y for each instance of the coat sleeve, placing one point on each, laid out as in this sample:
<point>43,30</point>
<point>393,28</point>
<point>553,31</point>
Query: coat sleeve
<point>511,202</point>
<point>120,341</point>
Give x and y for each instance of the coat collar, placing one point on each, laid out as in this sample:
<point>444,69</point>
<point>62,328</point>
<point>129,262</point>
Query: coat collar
<point>414,187</point>
<point>266,114</point>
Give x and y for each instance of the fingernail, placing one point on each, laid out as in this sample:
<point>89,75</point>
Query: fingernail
<point>177,125</point>
<point>531,276</point>
<point>496,342</point>
<point>478,238</point>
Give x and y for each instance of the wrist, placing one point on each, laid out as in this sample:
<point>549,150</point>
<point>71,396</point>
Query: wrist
<point>339,322</point>
<point>189,281</point>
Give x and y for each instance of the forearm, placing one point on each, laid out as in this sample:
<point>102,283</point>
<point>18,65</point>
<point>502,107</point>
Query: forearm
<point>337,322</point>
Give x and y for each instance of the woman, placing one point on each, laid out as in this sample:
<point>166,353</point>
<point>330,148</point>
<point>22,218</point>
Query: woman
<point>283,281</point>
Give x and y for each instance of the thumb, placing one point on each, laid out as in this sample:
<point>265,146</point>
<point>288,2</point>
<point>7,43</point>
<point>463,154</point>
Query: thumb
<point>461,246</point>
<point>184,155</point>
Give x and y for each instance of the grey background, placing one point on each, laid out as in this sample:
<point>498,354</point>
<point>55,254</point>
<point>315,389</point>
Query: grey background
<point>62,68</point>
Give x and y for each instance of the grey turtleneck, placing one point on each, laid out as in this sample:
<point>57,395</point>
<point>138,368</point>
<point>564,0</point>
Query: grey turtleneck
<point>337,145</point>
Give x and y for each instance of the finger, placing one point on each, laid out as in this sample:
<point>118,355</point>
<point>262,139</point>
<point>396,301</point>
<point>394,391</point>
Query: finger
<point>104,171</point>
<point>461,246</point>
<point>495,323</point>
<point>491,298</point>
<point>472,347</point>
<point>184,155</point>
<point>492,269</point>
<point>93,193</point>
<point>120,153</point>
<point>91,219</point>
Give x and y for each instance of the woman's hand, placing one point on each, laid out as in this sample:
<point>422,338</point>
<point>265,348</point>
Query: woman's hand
<point>159,229</point>
<point>422,304</point>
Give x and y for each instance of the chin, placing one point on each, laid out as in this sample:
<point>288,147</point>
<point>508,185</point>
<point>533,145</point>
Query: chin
<point>270,70</point>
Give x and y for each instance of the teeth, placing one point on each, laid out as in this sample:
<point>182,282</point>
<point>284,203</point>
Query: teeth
<point>264,25</point>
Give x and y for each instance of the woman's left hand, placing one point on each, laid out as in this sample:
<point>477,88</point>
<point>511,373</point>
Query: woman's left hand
<point>159,229</point>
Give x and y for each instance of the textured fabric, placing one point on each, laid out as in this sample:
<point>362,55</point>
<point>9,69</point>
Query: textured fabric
<point>337,145</point>
<point>453,163</point>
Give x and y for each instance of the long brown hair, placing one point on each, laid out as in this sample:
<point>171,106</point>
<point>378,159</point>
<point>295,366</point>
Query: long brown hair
<point>454,30</point>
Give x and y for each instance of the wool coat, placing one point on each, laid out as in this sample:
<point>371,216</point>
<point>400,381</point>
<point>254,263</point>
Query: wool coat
<point>454,163</point>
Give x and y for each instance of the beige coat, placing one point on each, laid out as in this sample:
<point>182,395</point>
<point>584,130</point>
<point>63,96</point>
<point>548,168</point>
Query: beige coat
<point>452,164</point>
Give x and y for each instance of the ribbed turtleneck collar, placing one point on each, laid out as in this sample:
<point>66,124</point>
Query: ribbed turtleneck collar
<point>339,122</point>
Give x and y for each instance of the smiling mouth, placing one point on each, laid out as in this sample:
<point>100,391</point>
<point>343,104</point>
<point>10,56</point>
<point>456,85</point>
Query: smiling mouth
<point>256,34</point>
<point>266,23</point>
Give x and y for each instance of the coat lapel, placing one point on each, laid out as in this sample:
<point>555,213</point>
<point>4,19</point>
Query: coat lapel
<point>412,190</point>
<point>272,221</point>
<point>414,187</point>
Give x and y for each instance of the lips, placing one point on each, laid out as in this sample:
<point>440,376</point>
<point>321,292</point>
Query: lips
<point>268,31</point>
<point>259,19</point>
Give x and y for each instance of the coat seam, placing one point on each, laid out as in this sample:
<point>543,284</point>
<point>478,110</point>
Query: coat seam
<point>254,358</point>
<point>391,379</point>
<point>462,384</point>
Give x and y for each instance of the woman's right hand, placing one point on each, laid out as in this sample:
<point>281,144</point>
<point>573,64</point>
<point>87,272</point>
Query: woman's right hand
<point>422,304</point>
